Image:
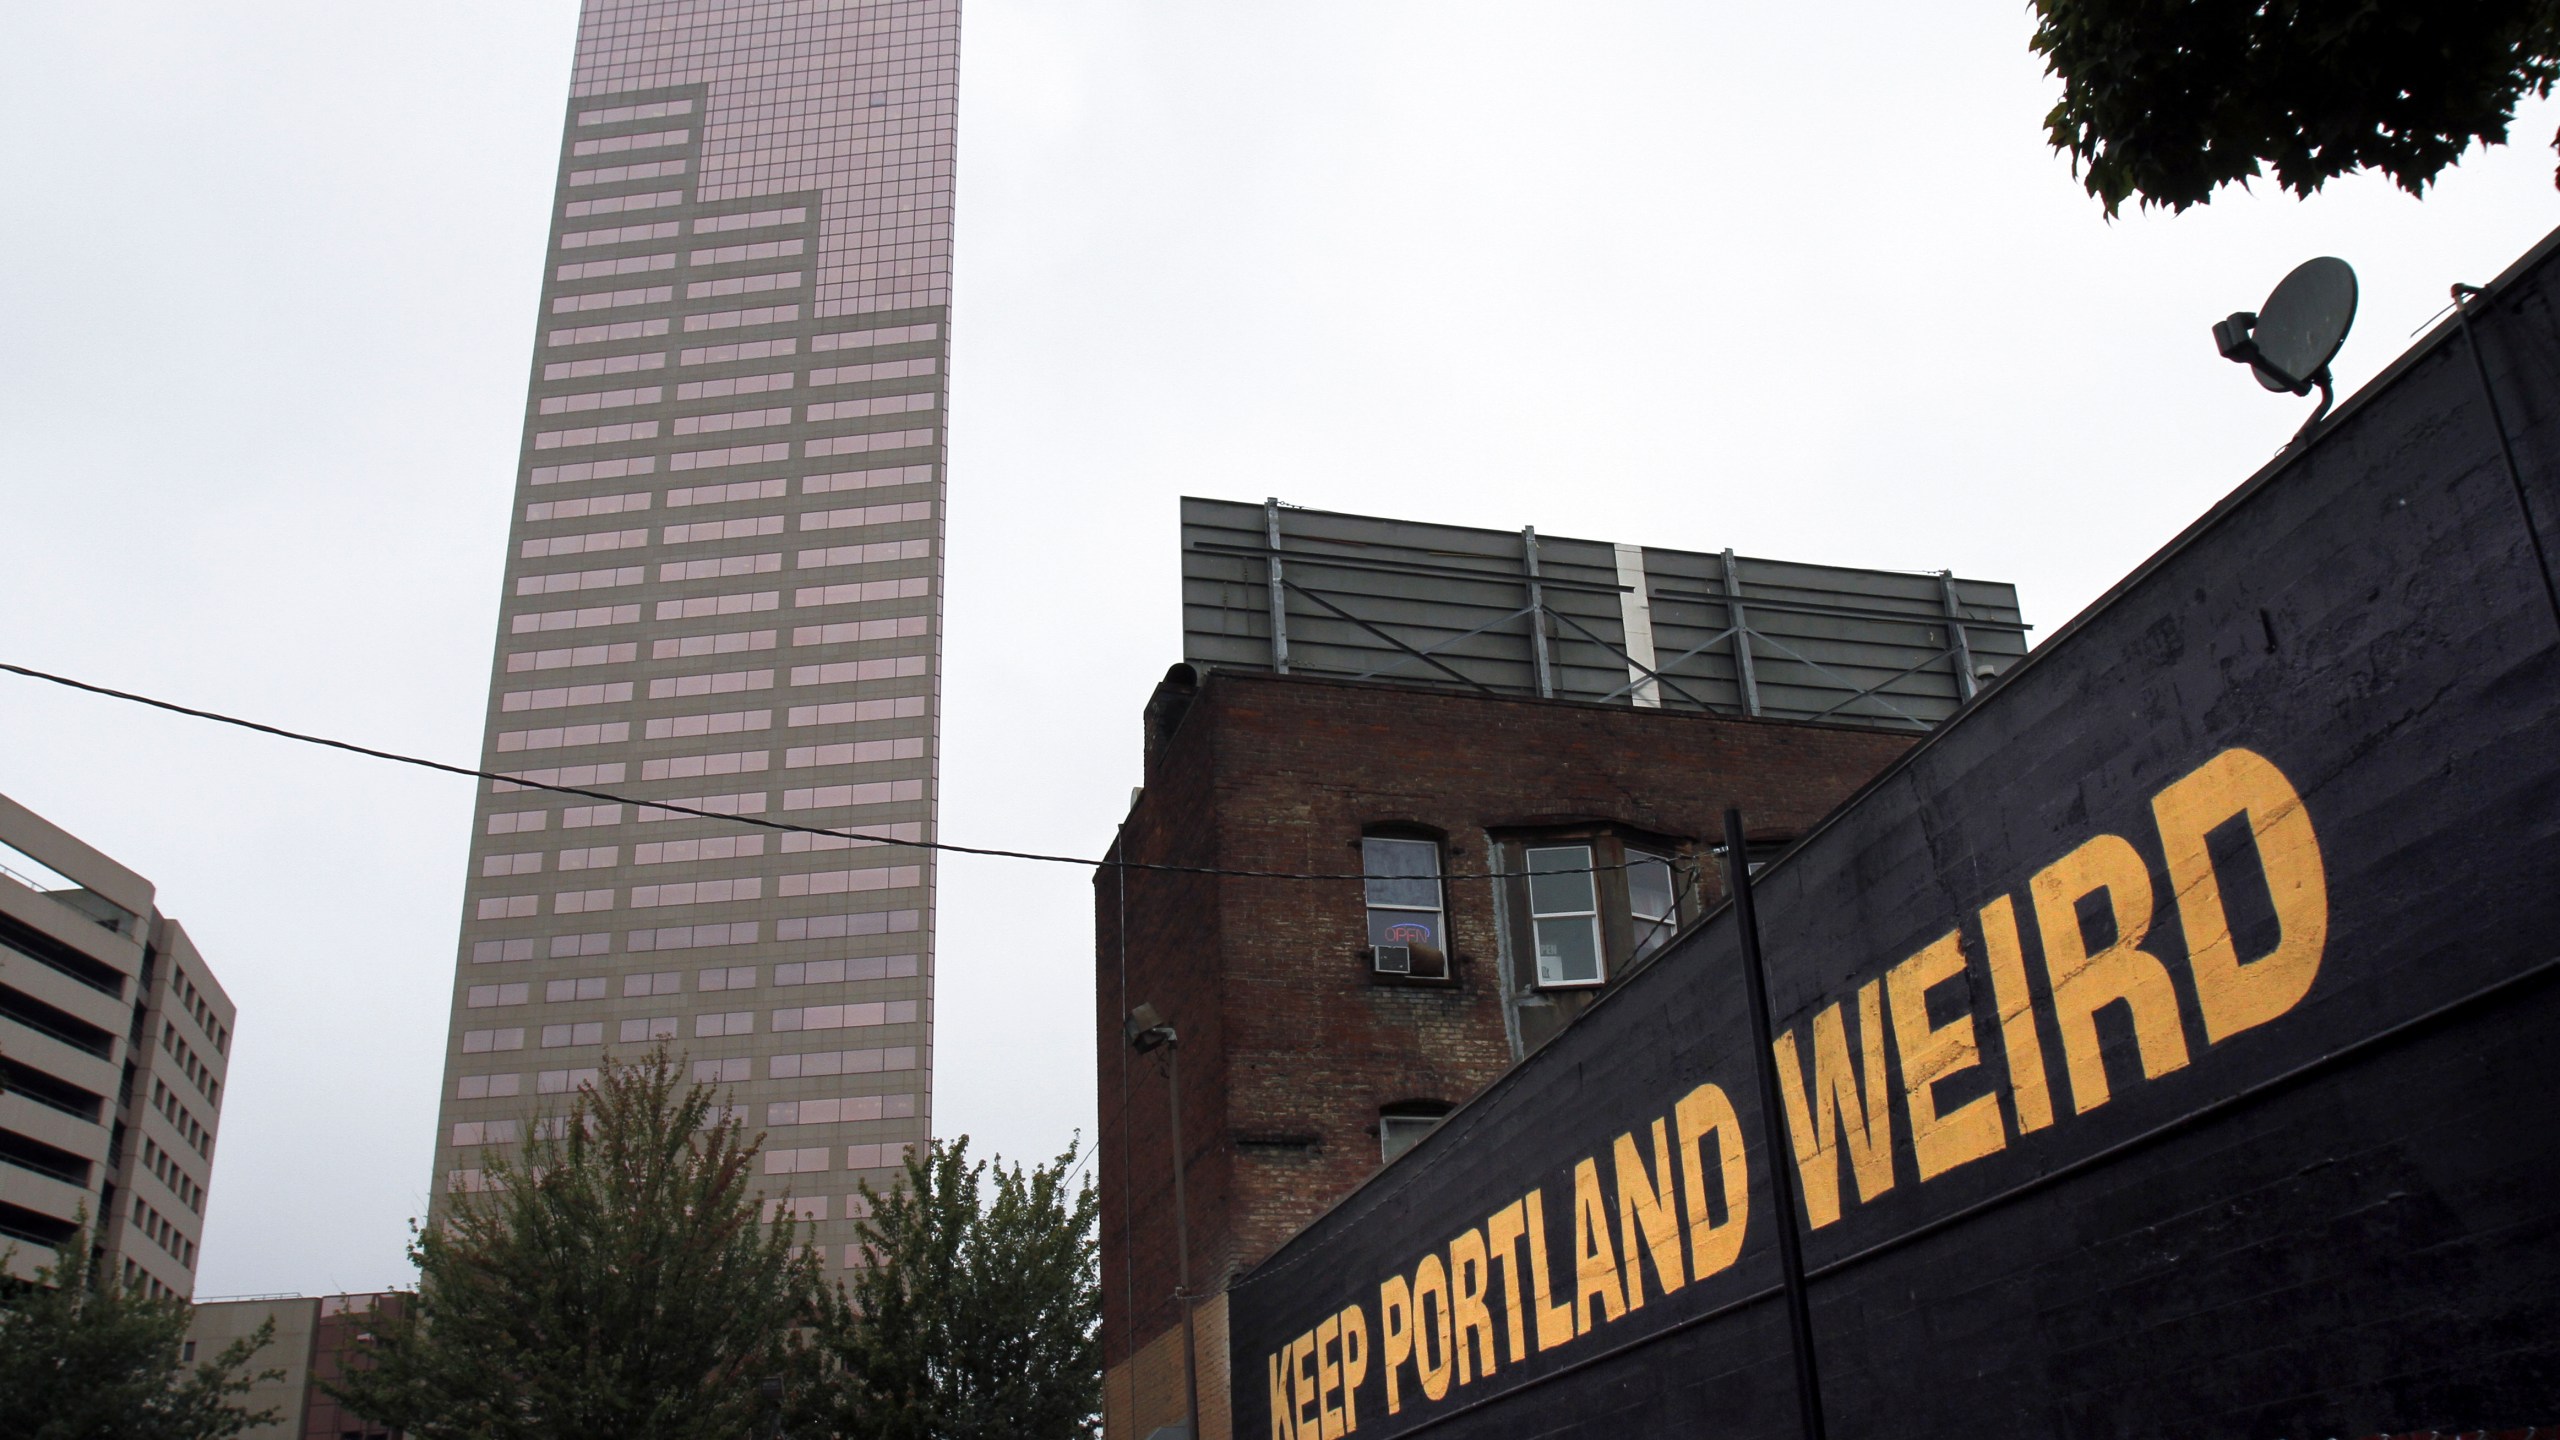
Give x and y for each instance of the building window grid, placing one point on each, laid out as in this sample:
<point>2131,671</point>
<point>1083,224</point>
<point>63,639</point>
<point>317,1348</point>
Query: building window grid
<point>1587,905</point>
<point>1564,916</point>
<point>845,275</point>
<point>1406,906</point>
<point>1653,901</point>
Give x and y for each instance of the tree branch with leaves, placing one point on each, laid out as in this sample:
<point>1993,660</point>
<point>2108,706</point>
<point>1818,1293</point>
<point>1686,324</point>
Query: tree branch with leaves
<point>620,1278</point>
<point>82,1358</point>
<point>2168,101</point>
<point>979,1315</point>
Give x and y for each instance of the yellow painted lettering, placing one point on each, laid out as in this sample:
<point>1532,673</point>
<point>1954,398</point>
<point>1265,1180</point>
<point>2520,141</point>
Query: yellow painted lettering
<point>1595,1260</point>
<point>2234,996</point>
<point>1355,1364</point>
<point>1431,1326</point>
<point>2121,970</point>
<point>1703,1112</point>
<point>2029,1091</point>
<point>1929,1054</point>
<point>1470,1321</point>
<point>1395,1329</point>
<point>1328,1378</point>
<point>1555,1321</point>
<point>1864,1121</point>
<point>1648,1214</point>
<point>1283,1424</point>
<point>1302,1381</point>
<point>1502,1235</point>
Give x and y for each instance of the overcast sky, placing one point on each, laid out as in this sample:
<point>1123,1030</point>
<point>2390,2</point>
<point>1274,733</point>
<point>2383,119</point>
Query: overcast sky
<point>1802,280</point>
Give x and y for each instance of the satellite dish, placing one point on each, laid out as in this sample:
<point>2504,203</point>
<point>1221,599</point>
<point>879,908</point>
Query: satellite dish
<point>2289,341</point>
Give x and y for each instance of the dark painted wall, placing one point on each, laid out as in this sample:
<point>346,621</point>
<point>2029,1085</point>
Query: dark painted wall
<point>2333,1212</point>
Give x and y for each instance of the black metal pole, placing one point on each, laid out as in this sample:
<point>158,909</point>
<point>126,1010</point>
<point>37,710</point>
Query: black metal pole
<point>1782,1187</point>
<point>1182,1244</point>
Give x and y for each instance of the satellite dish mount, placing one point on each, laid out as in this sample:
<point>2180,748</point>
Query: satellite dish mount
<point>2289,341</point>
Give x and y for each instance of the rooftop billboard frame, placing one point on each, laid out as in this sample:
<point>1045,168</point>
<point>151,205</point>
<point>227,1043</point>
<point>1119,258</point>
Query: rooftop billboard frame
<point>1354,597</point>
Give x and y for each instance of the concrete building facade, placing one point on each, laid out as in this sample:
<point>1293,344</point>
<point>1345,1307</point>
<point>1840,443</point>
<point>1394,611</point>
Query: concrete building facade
<point>1516,856</point>
<point>115,1045</point>
<point>723,590</point>
<point>316,1338</point>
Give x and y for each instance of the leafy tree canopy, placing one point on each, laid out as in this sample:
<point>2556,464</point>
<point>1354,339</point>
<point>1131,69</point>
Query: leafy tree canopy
<point>2170,100</point>
<point>81,1359</point>
<point>980,1316</point>
<point>619,1280</point>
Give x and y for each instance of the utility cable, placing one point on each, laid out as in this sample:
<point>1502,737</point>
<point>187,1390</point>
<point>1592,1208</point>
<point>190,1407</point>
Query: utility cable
<point>785,826</point>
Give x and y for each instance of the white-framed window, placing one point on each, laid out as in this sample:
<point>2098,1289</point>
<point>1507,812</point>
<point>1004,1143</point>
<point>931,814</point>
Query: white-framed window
<point>1653,901</point>
<point>1404,900</point>
<point>1584,907</point>
<point>1564,915</point>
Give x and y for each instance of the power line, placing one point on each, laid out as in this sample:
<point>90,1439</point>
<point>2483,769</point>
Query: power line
<point>758,822</point>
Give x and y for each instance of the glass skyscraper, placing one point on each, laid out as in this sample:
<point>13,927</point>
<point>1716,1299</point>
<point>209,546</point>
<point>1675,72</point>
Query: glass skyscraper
<point>723,589</point>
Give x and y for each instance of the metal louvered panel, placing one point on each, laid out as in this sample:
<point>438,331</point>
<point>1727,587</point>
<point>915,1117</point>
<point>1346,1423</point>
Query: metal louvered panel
<point>1408,603</point>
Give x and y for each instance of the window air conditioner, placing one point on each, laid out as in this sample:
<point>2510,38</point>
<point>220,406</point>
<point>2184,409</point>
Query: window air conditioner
<point>1392,959</point>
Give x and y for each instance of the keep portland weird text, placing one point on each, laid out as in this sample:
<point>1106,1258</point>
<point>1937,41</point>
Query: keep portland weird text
<point>1656,1209</point>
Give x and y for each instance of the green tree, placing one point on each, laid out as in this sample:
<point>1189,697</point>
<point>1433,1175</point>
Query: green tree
<point>619,1280</point>
<point>980,1316</point>
<point>2170,100</point>
<point>84,1359</point>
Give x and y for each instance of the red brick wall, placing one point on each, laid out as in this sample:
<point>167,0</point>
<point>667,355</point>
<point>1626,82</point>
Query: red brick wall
<point>342,1336</point>
<point>1288,1048</point>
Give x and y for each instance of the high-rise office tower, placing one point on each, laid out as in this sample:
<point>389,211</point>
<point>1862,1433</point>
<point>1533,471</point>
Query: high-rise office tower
<point>723,589</point>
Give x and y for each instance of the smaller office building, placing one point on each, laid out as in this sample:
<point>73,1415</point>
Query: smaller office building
<point>316,1338</point>
<point>115,1045</point>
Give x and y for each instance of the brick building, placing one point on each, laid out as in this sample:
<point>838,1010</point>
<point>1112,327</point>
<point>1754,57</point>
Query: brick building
<point>1507,752</point>
<point>1524,854</point>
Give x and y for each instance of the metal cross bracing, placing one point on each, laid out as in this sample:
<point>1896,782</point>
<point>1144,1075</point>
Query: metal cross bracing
<point>1308,592</point>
